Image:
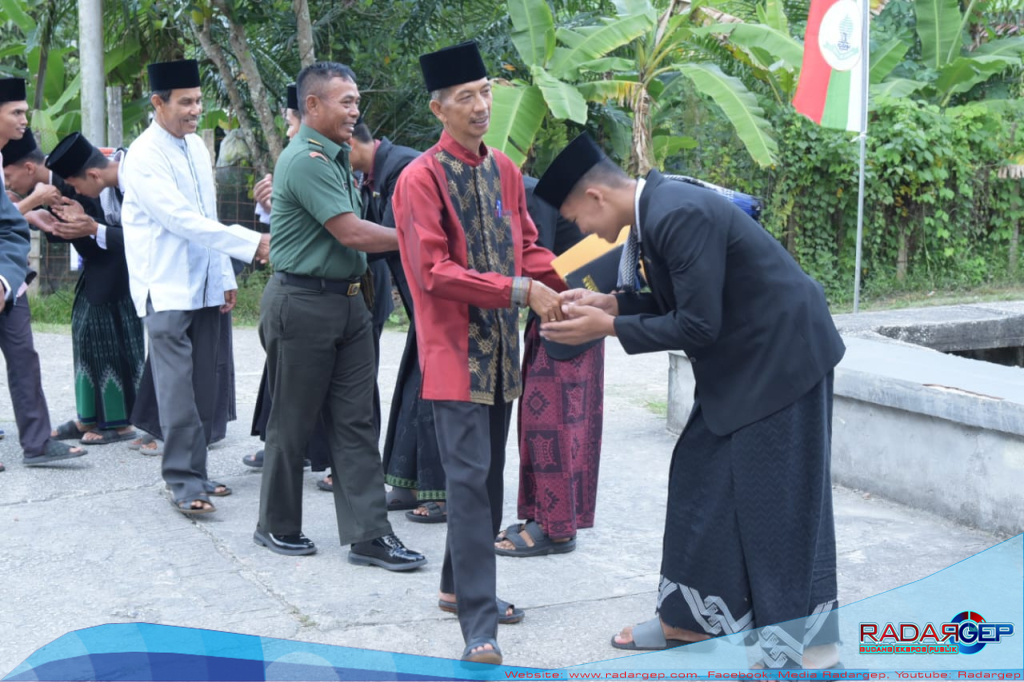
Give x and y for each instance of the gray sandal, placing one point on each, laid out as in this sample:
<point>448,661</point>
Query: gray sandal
<point>648,636</point>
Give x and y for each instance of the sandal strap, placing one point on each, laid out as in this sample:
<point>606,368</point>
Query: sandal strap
<point>650,634</point>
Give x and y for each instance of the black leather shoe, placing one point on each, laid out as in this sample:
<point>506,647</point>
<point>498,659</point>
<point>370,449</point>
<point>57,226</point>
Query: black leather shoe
<point>292,545</point>
<point>388,552</point>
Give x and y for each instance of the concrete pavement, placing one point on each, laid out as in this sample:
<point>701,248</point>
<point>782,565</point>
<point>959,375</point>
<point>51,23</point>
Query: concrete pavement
<point>95,541</point>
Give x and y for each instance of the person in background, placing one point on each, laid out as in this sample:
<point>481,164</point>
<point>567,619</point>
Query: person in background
<point>20,154</point>
<point>107,336</point>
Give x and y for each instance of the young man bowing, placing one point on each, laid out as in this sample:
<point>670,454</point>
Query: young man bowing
<point>749,534</point>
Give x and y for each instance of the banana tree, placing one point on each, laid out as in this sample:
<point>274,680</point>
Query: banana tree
<point>947,68</point>
<point>626,59</point>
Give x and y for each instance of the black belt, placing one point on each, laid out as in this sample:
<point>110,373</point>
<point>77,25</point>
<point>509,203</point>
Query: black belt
<point>349,287</point>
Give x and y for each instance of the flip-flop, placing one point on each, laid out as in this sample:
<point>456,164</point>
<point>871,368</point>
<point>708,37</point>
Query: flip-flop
<point>185,507</point>
<point>144,439</point>
<point>542,544</point>
<point>158,451</point>
<point>54,452</point>
<point>322,484</point>
<point>492,656</point>
<point>648,636</point>
<point>108,436</point>
<point>215,484</point>
<point>503,606</point>
<point>400,499</point>
<point>435,513</point>
<point>68,431</point>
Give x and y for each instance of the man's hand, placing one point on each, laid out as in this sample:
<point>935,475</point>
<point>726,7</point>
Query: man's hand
<point>605,302</point>
<point>583,323</point>
<point>77,226</point>
<point>262,191</point>
<point>43,221</point>
<point>545,302</point>
<point>45,195</point>
<point>263,250</point>
<point>230,298</point>
<point>67,209</point>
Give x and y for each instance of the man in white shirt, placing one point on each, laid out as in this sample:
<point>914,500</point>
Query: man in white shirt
<point>179,267</point>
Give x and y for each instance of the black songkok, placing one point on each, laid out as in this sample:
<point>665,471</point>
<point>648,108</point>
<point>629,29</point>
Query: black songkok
<point>70,155</point>
<point>293,97</point>
<point>453,65</point>
<point>571,164</point>
<point>16,150</point>
<point>181,74</point>
<point>12,90</point>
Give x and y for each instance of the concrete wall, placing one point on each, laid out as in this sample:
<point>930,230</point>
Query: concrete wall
<point>937,432</point>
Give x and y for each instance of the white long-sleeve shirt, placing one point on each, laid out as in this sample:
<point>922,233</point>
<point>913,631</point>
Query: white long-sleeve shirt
<point>179,256</point>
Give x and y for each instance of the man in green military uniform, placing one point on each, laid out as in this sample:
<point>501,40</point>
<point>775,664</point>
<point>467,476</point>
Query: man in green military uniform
<point>318,334</point>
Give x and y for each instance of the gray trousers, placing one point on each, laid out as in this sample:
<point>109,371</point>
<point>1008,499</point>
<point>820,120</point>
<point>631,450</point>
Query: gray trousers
<point>183,348</point>
<point>471,439</point>
<point>320,360</point>
<point>24,379</point>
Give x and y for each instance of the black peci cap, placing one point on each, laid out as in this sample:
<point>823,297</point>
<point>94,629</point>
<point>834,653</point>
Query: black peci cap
<point>183,73</point>
<point>293,97</point>
<point>571,164</point>
<point>70,154</point>
<point>453,65</point>
<point>12,90</point>
<point>16,150</point>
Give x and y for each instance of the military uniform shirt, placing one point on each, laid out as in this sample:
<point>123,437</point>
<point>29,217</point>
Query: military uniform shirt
<point>312,184</point>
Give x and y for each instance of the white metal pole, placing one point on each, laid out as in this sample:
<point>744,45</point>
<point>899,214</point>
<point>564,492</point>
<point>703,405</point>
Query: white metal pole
<point>865,71</point>
<point>90,49</point>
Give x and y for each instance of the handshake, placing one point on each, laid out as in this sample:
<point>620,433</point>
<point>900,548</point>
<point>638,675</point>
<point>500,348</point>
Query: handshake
<point>579,316</point>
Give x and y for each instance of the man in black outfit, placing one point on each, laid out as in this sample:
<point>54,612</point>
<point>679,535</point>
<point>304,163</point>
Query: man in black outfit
<point>749,533</point>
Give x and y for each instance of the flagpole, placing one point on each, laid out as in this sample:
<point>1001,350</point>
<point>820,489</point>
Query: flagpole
<point>865,51</point>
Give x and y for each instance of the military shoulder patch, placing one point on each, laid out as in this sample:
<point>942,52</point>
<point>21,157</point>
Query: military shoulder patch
<point>318,155</point>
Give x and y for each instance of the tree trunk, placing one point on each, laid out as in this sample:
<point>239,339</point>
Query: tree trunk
<point>257,92</point>
<point>304,26</point>
<point>1014,238</point>
<point>901,256</point>
<point>791,236</point>
<point>641,157</point>
<point>216,55</point>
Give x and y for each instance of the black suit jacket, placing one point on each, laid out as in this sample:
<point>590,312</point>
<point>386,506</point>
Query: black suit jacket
<point>14,244</point>
<point>756,327</point>
<point>388,163</point>
<point>104,277</point>
<point>556,234</point>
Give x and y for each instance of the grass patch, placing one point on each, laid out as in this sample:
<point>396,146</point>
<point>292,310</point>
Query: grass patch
<point>938,297</point>
<point>658,407</point>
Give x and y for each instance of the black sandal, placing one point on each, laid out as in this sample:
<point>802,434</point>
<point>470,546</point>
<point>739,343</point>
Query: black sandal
<point>186,508</point>
<point>542,543</point>
<point>504,617</point>
<point>435,513</point>
<point>492,656</point>
<point>54,452</point>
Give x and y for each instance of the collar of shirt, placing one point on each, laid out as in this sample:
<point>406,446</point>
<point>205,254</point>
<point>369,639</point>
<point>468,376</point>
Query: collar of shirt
<point>450,145</point>
<point>368,178</point>
<point>331,149</point>
<point>640,183</point>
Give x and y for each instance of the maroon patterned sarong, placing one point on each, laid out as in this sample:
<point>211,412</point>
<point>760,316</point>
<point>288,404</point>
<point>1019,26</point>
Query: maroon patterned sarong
<point>560,418</point>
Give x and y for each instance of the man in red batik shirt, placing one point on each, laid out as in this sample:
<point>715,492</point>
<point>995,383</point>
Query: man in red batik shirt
<point>469,251</point>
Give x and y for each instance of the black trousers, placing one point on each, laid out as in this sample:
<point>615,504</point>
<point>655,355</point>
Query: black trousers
<point>471,439</point>
<point>24,379</point>
<point>320,350</point>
